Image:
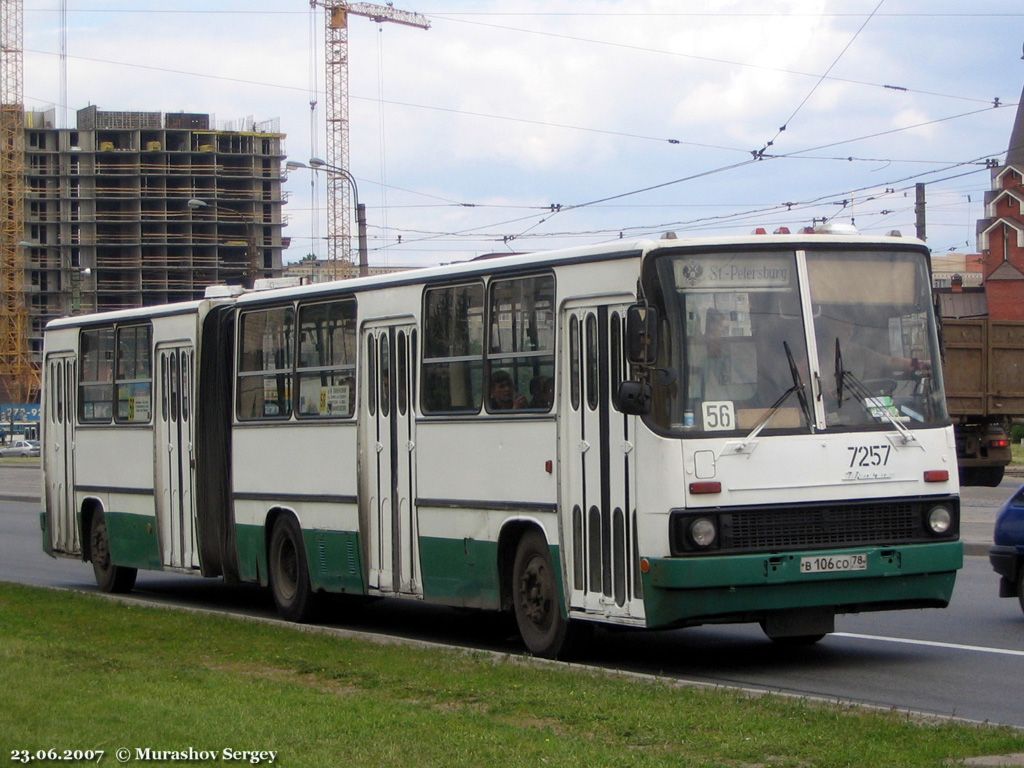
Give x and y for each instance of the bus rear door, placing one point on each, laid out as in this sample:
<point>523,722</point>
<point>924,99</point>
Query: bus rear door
<point>175,469</point>
<point>388,485</point>
<point>59,447</point>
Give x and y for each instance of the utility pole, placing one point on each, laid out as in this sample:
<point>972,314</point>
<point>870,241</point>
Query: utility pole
<point>919,204</point>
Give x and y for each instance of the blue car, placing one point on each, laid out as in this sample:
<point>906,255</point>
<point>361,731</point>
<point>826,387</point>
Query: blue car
<point>1007,555</point>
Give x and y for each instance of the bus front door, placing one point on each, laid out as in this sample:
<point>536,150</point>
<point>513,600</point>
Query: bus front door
<point>59,447</point>
<point>598,495</point>
<point>175,468</point>
<point>388,485</point>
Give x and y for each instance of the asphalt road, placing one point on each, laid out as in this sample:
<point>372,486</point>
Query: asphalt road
<point>965,661</point>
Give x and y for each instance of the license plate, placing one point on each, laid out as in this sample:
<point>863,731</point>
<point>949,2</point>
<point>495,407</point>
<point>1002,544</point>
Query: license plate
<point>834,563</point>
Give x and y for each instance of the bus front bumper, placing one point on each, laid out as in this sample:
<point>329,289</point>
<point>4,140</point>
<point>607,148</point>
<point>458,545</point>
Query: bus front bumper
<point>687,591</point>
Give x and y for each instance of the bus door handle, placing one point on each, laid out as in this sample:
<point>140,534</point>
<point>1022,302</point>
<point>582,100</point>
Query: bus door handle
<point>584,446</point>
<point>380,446</point>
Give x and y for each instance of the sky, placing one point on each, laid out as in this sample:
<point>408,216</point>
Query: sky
<point>526,125</point>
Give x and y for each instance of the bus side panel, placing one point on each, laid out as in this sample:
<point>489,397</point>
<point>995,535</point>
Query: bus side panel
<point>316,484</point>
<point>115,465</point>
<point>473,477</point>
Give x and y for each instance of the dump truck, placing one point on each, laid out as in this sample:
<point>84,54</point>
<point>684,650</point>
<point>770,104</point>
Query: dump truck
<point>983,368</point>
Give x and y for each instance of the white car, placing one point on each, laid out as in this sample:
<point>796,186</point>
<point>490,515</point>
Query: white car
<point>21,448</point>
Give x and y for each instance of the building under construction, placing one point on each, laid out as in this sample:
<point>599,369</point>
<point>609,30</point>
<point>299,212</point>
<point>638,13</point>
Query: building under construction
<point>139,208</point>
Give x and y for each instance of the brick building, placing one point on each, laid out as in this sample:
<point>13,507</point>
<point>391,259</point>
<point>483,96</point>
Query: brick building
<point>1001,232</point>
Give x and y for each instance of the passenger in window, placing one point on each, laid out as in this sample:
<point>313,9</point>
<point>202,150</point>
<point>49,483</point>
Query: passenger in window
<point>502,394</point>
<point>542,392</point>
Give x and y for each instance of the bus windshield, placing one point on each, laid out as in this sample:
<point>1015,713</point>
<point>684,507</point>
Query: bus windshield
<point>876,341</point>
<point>738,350</point>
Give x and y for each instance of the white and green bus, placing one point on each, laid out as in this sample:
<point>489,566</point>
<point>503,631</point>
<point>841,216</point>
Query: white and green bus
<point>649,434</point>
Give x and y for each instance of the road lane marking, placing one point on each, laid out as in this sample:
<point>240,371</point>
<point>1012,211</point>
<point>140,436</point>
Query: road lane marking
<point>932,643</point>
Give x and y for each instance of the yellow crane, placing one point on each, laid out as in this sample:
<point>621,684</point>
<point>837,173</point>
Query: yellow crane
<point>19,378</point>
<point>339,193</point>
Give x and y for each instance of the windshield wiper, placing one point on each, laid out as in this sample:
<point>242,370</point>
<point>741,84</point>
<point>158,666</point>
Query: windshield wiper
<point>863,395</point>
<point>801,393</point>
<point>798,385</point>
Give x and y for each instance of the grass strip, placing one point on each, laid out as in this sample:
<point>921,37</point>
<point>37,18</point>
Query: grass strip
<point>81,672</point>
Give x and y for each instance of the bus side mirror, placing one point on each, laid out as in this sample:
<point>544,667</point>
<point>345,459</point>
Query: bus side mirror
<point>634,398</point>
<point>642,335</point>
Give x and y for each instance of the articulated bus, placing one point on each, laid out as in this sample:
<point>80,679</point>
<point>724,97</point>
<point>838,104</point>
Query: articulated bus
<point>661,433</point>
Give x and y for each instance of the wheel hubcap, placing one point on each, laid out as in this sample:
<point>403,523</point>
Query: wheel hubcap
<point>535,599</point>
<point>100,553</point>
<point>287,570</point>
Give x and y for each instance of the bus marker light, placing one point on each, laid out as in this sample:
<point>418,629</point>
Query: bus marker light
<point>936,475</point>
<point>645,565</point>
<point>549,467</point>
<point>710,486</point>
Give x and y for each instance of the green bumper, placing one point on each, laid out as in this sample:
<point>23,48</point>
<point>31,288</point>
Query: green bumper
<point>680,591</point>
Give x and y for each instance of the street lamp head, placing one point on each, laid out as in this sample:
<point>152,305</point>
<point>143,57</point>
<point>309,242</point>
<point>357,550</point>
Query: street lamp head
<point>316,162</point>
<point>294,165</point>
<point>195,203</point>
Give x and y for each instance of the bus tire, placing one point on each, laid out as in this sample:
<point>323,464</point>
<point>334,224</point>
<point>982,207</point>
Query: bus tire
<point>110,578</point>
<point>536,601</point>
<point>289,573</point>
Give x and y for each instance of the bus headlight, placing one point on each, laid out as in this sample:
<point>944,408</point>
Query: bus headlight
<point>703,532</point>
<point>940,520</point>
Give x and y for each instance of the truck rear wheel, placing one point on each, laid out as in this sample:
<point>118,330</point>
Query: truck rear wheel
<point>993,476</point>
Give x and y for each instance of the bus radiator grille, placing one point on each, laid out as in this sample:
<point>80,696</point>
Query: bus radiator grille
<point>823,527</point>
<point>813,526</point>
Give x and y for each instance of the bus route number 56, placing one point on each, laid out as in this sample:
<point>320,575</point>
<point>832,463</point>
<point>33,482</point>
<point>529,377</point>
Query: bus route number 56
<point>718,415</point>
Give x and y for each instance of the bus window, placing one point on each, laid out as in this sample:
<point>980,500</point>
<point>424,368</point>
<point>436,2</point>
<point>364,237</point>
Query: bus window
<point>327,359</point>
<point>402,374</point>
<point>453,330</point>
<point>521,351</point>
<point>385,376</point>
<point>95,396</point>
<point>591,362</point>
<point>265,359</point>
<point>134,381</point>
<point>371,372</point>
<point>574,362</point>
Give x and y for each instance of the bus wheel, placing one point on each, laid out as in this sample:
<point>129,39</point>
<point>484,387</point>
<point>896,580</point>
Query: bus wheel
<point>110,578</point>
<point>538,607</point>
<point>289,574</point>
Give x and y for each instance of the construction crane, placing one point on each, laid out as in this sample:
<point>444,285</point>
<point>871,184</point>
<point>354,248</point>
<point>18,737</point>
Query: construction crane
<point>339,193</point>
<point>19,379</point>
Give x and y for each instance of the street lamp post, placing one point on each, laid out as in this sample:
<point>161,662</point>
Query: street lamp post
<point>251,239</point>
<point>316,164</point>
